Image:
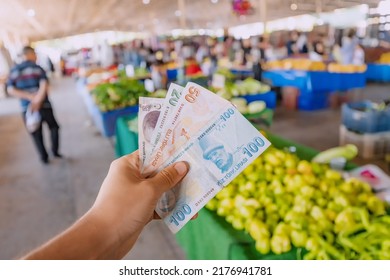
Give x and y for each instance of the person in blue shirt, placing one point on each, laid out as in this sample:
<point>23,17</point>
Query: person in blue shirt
<point>28,82</point>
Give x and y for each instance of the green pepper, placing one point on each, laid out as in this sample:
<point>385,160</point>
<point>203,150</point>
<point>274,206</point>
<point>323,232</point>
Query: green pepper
<point>376,206</point>
<point>280,243</point>
<point>312,244</point>
<point>263,245</point>
<point>298,238</point>
<point>317,213</point>
<point>257,229</point>
<point>329,249</point>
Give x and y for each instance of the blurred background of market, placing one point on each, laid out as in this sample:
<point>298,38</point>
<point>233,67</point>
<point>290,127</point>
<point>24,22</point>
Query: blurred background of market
<point>313,74</point>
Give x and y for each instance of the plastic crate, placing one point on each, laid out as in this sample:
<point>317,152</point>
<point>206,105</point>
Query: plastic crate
<point>370,145</point>
<point>269,98</point>
<point>313,101</point>
<point>106,121</point>
<point>355,119</point>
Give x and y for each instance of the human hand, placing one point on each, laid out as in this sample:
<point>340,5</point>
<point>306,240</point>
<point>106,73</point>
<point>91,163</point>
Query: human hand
<point>127,200</point>
<point>36,103</point>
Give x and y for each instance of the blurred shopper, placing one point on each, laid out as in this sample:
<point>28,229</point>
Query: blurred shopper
<point>348,47</point>
<point>302,43</point>
<point>336,54</point>
<point>29,83</point>
<point>259,58</point>
<point>358,56</point>
<point>292,48</point>
<point>318,52</point>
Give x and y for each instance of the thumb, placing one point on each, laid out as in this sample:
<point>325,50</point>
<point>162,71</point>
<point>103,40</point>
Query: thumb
<point>169,177</point>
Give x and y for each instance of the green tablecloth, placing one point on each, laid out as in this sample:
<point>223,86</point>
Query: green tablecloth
<point>126,140</point>
<point>210,236</point>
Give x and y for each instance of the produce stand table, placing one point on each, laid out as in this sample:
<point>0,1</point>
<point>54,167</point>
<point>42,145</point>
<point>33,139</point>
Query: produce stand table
<point>269,98</point>
<point>378,72</point>
<point>315,86</point>
<point>210,236</point>
<point>104,121</point>
<point>241,72</point>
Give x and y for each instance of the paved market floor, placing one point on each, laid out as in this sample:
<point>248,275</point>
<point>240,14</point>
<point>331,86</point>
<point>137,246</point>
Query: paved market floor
<point>37,202</point>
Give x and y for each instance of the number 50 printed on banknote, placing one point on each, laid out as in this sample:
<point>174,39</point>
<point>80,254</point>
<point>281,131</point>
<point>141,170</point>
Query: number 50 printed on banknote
<point>216,155</point>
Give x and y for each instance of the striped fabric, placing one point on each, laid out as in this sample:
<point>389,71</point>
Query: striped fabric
<point>27,76</point>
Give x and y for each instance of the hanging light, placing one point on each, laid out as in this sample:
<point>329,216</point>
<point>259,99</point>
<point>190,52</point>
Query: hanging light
<point>214,1</point>
<point>146,2</point>
<point>293,6</point>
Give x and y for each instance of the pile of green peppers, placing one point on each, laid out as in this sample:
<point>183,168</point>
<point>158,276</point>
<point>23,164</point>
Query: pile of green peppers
<point>283,202</point>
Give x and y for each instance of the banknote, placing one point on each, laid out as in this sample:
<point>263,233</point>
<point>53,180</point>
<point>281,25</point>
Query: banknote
<point>195,108</point>
<point>170,102</point>
<point>148,114</point>
<point>217,153</point>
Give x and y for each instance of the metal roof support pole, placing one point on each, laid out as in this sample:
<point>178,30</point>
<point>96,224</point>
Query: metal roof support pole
<point>182,8</point>
<point>318,6</point>
<point>263,13</point>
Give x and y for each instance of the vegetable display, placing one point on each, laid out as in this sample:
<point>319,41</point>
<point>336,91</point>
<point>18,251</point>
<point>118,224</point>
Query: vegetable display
<point>249,86</point>
<point>284,202</point>
<point>348,152</point>
<point>123,93</point>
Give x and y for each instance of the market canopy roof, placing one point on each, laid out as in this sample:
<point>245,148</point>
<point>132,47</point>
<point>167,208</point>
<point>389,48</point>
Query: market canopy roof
<point>45,19</point>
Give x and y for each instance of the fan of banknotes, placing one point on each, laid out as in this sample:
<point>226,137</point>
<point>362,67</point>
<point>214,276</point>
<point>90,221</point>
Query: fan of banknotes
<point>194,125</point>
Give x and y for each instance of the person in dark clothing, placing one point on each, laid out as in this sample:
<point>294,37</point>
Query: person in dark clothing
<point>260,59</point>
<point>291,45</point>
<point>28,82</point>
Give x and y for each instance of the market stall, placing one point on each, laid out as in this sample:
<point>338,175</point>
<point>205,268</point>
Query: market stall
<point>315,86</point>
<point>110,95</point>
<point>314,81</point>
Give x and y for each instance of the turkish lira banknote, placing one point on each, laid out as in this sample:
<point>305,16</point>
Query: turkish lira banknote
<point>148,115</point>
<point>211,135</point>
<point>170,102</point>
<point>195,108</point>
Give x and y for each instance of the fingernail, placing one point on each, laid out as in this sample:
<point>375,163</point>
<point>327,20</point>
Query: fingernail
<point>181,168</point>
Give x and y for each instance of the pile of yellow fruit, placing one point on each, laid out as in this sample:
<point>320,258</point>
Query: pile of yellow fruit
<point>284,202</point>
<point>346,68</point>
<point>297,64</point>
<point>385,58</point>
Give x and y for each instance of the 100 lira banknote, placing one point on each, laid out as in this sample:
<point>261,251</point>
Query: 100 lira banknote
<point>216,155</point>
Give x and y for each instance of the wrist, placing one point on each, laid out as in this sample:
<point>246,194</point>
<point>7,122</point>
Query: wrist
<point>100,229</point>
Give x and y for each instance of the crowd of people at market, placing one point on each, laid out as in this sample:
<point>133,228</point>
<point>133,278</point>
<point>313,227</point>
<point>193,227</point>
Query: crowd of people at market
<point>203,55</point>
